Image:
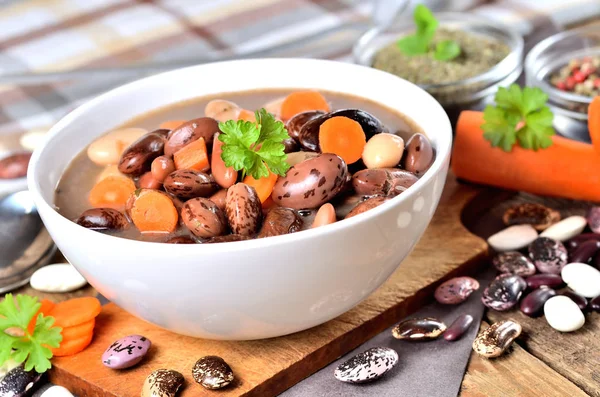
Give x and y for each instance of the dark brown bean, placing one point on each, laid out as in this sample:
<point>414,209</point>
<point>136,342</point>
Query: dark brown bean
<point>533,304</point>
<point>243,209</point>
<point>162,132</point>
<point>576,241</point>
<point>311,183</point>
<point>366,205</point>
<point>290,145</point>
<point>103,219</point>
<point>418,155</point>
<point>219,198</point>
<point>579,300</point>
<point>204,127</point>
<point>180,240</point>
<point>14,166</point>
<point>295,124</point>
<point>458,328</point>
<point>585,251</point>
<point>138,157</point>
<point>203,218</point>
<point>190,184</point>
<point>309,133</point>
<point>161,167</point>
<point>147,181</point>
<point>537,215</point>
<point>382,181</point>
<point>544,280</point>
<point>593,218</point>
<point>280,221</point>
<point>595,304</point>
<point>596,260</point>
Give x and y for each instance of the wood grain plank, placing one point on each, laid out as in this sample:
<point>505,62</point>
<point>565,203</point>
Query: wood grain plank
<point>574,355</point>
<point>267,367</point>
<point>515,374</point>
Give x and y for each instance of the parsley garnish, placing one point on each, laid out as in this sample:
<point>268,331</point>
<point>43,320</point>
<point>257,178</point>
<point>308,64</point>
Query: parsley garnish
<point>420,42</point>
<point>519,115</point>
<point>15,340</point>
<point>255,148</point>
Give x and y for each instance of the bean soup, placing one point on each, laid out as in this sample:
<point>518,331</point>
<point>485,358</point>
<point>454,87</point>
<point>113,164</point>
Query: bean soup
<point>216,169</point>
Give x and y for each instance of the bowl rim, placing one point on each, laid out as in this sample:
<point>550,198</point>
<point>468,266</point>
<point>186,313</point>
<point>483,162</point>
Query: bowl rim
<point>498,72</point>
<point>442,156</point>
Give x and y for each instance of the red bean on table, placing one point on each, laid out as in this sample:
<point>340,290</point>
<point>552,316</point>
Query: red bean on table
<point>540,280</point>
<point>578,299</point>
<point>458,328</point>
<point>595,304</point>
<point>596,260</point>
<point>576,241</point>
<point>585,251</point>
<point>533,304</point>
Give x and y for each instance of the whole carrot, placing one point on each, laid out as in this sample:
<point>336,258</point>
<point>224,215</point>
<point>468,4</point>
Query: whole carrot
<point>567,168</point>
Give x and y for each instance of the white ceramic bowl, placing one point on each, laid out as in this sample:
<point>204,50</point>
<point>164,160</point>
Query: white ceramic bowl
<point>257,288</point>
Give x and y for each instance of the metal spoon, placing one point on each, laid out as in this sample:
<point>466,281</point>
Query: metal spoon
<point>25,244</point>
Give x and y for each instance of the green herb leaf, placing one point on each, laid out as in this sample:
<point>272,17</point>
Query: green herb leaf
<point>519,115</point>
<point>255,148</point>
<point>33,349</point>
<point>413,45</point>
<point>446,50</point>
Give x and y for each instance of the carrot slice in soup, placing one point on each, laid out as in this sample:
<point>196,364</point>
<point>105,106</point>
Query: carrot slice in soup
<point>75,311</point>
<point>112,192</point>
<point>153,211</point>
<point>302,101</point>
<point>246,115</point>
<point>192,156</point>
<point>344,137</point>
<point>263,186</point>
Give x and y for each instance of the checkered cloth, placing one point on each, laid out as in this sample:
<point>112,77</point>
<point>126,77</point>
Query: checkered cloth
<point>62,35</point>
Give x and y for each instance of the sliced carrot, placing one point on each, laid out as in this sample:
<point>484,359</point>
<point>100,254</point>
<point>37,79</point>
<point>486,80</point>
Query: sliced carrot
<point>192,156</point>
<point>246,115</point>
<point>567,168</point>
<point>171,124</point>
<point>75,311</point>
<point>302,101</point>
<point>44,309</point>
<point>153,211</point>
<point>73,346</point>
<point>263,186</point>
<point>594,122</point>
<point>78,331</point>
<point>112,192</point>
<point>344,137</point>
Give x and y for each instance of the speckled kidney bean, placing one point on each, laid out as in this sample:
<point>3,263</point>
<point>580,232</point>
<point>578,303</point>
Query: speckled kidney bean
<point>203,218</point>
<point>325,216</point>
<point>103,219</point>
<point>147,181</point>
<point>533,304</point>
<point>503,292</point>
<point>295,124</point>
<point>14,166</point>
<point>224,176</point>
<point>311,183</point>
<point>579,300</point>
<point>219,198</point>
<point>585,251</point>
<point>458,328</point>
<point>138,157</point>
<point>280,220</point>
<point>204,127</point>
<point>243,209</point>
<point>382,181</point>
<point>544,280</point>
<point>418,155</point>
<point>548,256</point>
<point>455,290</point>
<point>189,184</point>
<point>161,167</point>
<point>366,205</point>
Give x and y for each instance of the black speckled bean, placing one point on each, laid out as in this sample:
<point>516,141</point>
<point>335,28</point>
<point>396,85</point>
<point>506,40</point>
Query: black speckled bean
<point>203,218</point>
<point>503,292</point>
<point>548,256</point>
<point>533,304</point>
<point>579,300</point>
<point>585,251</point>
<point>187,184</point>
<point>243,209</point>
<point>103,219</point>
<point>458,328</point>
<point>137,158</point>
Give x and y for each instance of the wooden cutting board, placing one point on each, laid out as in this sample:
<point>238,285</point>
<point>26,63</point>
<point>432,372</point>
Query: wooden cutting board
<point>268,367</point>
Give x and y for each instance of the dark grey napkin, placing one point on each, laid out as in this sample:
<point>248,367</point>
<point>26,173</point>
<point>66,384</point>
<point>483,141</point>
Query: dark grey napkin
<point>425,369</point>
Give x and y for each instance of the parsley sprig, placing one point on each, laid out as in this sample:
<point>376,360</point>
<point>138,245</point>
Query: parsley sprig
<point>419,42</point>
<point>519,114</point>
<point>255,147</point>
<point>15,340</point>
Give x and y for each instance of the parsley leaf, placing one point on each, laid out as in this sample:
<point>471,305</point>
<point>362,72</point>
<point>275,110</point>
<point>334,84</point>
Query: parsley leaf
<point>519,115</point>
<point>420,42</point>
<point>255,148</point>
<point>32,349</point>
